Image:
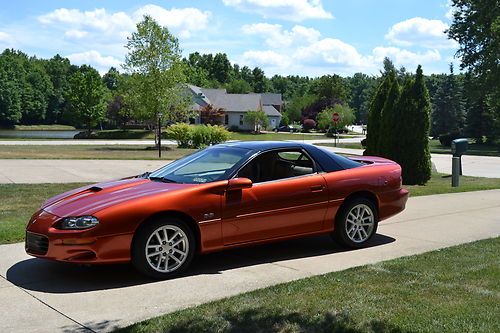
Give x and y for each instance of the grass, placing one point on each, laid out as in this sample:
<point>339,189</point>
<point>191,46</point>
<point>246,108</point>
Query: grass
<point>17,204</point>
<point>54,127</point>
<point>244,136</point>
<point>450,290</point>
<point>441,183</point>
<point>473,149</point>
<point>349,145</point>
<point>119,152</point>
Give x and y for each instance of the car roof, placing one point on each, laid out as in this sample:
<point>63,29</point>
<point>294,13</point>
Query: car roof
<point>262,145</point>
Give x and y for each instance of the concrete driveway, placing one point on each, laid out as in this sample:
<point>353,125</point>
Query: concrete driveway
<point>40,296</point>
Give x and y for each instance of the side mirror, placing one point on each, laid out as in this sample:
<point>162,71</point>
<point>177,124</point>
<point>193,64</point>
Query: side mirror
<point>238,184</point>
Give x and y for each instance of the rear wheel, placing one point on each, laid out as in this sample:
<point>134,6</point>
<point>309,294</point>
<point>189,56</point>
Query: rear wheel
<point>356,223</point>
<point>163,248</point>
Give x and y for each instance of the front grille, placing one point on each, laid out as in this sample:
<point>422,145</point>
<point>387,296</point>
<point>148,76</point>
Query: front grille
<point>37,244</point>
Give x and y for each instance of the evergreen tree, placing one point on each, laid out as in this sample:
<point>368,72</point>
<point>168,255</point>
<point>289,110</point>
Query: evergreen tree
<point>388,142</point>
<point>414,123</point>
<point>447,111</point>
<point>374,117</point>
<point>479,118</point>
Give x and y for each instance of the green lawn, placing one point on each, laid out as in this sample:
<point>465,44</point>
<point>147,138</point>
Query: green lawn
<point>19,202</point>
<point>450,290</point>
<point>54,127</point>
<point>120,152</point>
<point>243,136</point>
<point>441,183</point>
<point>473,149</point>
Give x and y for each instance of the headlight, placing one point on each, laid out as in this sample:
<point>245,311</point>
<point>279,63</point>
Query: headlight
<point>79,222</point>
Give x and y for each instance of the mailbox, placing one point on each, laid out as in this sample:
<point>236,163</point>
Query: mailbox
<point>459,147</point>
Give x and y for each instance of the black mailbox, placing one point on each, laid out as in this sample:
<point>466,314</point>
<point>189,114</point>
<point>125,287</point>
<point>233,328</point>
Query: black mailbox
<point>459,147</point>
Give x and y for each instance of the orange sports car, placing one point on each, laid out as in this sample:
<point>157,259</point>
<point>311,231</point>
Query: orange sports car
<point>224,196</point>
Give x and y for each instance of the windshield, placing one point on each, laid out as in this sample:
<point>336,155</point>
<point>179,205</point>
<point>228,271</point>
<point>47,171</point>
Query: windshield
<point>205,166</point>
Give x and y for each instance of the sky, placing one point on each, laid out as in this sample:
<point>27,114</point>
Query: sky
<point>288,37</point>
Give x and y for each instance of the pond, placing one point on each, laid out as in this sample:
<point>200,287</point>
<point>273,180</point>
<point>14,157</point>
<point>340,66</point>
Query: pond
<point>38,134</point>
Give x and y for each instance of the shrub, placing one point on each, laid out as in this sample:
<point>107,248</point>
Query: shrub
<point>446,139</point>
<point>309,124</point>
<point>198,136</point>
<point>182,133</point>
<point>218,135</point>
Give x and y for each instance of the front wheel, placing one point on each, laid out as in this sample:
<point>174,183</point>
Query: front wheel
<point>356,223</point>
<point>163,248</point>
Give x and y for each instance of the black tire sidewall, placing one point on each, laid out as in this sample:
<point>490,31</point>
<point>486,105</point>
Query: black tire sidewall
<point>139,259</point>
<point>340,234</point>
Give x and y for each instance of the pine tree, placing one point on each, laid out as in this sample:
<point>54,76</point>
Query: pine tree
<point>374,117</point>
<point>448,113</point>
<point>388,140</point>
<point>414,121</point>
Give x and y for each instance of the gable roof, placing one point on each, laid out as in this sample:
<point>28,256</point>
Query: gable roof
<point>271,99</point>
<point>232,102</point>
<point>269,110</point>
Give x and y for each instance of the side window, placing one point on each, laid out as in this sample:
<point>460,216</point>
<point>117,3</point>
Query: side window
<point>275,165</point>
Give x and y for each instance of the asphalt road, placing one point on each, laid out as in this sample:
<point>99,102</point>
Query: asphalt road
<point>40,296</point>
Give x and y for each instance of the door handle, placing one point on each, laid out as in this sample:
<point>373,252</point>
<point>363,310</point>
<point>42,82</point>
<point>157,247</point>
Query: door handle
<point>317,188</point>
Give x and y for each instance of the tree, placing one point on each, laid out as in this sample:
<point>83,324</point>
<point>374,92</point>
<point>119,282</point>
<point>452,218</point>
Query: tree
<point>87,97</point>
<point>221,68</point>
<point>260,81</point>
<point>361,86</point>
<point>476,27</point>
<point>238,86</point>
<point>330,87</point>
<point>414,124</point>
<point>324,119</point>
<point>111,79</point>
<point>388,140</point>
<point>479,117</point>
<point>156,74</point>
<point>447,111</point>
<point>211,115</point>
<point>374,117</point>
<point>256,118</point>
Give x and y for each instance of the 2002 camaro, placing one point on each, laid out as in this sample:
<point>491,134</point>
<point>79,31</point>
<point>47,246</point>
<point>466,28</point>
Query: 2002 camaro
<point>221,197</point>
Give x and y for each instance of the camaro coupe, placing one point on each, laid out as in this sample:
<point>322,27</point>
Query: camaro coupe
<point>224,196</point>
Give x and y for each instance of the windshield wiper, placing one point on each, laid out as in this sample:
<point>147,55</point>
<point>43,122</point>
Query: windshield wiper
<point>163,179</point>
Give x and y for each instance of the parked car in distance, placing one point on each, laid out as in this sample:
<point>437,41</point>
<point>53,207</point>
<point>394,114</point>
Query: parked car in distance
<point>287,128</point>
<point>224,196</point>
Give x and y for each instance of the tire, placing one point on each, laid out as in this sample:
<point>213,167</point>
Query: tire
<point>352,232</point>
<point>170,257</point>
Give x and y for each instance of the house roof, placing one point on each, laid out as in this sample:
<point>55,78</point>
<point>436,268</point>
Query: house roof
<point>232,102</point>
<point>270,111</point>
<point>271,99</point>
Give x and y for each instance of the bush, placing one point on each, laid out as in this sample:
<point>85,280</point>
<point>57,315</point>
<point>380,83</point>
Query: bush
<point>309,124</point>
<point>197,136</point>
<point>182,133</point>
<point>446,139</point>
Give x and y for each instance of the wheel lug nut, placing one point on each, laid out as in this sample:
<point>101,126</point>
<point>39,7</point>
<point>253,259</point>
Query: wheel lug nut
<point>164,243</point>
<point>170,243</point>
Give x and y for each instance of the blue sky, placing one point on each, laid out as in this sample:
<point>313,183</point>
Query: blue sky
<point>304,37</point>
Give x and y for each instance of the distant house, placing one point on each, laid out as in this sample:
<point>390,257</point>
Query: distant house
<point>236,105</point>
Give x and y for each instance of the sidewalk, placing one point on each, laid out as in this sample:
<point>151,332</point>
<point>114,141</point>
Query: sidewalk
<point>42,296</point>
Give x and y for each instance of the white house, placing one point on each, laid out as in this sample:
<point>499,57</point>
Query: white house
<point>236,105</point>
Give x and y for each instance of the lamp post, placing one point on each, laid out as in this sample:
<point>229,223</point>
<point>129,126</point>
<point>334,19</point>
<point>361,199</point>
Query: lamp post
<point>159,134</point>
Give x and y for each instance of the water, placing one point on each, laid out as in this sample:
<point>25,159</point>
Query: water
<point>37,134</point>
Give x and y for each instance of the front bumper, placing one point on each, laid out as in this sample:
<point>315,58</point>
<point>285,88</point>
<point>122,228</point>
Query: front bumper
<point>78,246</point>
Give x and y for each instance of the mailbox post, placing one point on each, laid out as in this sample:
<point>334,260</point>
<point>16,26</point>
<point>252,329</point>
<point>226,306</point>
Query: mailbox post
<point>458,148</point>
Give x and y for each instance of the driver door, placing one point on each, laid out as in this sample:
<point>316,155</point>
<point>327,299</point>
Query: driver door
<point>288,197</point>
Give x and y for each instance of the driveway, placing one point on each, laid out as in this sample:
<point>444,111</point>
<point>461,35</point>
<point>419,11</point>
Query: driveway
<point>40,296</point>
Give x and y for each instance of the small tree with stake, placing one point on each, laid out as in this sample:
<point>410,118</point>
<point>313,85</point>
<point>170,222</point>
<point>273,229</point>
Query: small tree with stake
<point>257,118</point>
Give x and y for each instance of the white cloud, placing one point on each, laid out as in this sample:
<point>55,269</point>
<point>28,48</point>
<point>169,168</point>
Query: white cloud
<point>421,32</point>
<point>75,34</point>
<point>402,57</point>
<point>291,10</point>
<point>5,37</point>
<point>276,37</point>
<point>268,57</point>
<point>184,20</point>
<point>94,58</point>
<point>332,52</point>
<point>120,24</point>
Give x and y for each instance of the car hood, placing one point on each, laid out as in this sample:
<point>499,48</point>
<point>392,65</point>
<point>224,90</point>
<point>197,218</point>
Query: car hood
<point>89,199</point>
